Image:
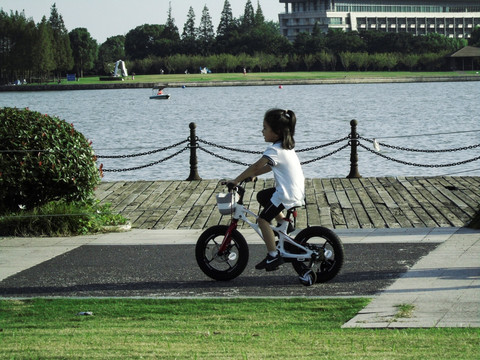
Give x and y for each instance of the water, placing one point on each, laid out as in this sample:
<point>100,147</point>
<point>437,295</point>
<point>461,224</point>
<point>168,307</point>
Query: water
<point>417,115</point>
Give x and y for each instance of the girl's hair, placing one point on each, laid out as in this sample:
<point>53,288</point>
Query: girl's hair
<point>282,123</point>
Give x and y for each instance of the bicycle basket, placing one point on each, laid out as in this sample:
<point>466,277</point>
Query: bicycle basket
<point>226,203</point>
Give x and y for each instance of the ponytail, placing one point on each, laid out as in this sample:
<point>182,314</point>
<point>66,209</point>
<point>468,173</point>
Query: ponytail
<point>283,124</point>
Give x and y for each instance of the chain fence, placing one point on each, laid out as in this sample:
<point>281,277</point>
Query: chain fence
<point>353,140</point>
<point>376,151</point>
<point>193,143</point>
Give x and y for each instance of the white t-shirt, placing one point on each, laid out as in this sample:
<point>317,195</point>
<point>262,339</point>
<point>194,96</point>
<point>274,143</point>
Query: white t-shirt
<point>288,174</point>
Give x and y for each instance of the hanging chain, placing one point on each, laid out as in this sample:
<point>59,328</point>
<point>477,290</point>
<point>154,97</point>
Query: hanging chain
<point>420,150</point>
<point>223,158</point>
<point>147,165</point>
<point>419,165</point>
<point>141,154</point>
<point>324,145</point>
<point>229,148</point>
<point>324,156</point>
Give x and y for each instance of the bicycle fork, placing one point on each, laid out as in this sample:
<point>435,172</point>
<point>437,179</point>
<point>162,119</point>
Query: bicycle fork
<point>227,239</point>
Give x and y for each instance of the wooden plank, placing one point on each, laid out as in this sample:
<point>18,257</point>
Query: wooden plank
<point>449,201</point>
<point>104,189</point>
<point>398,197</point>
<point>386,214</point>
<point>362,218</point>
<point>377,218</point>
<point>334,203</point>
<point>326,217</point>
<point>159,190</point>
<point>441,204</point>
<point>468,193</point>
<point>435,218</point>
<point>141,192</point>
<point>383,193</point>
<point>313,215</point>
<point>127,196</point>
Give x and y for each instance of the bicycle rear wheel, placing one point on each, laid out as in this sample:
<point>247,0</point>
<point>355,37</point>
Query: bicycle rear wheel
<point>329,248</point>
<point>225,266</point>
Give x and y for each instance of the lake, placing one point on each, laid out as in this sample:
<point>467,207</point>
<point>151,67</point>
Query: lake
<point>426,116</point>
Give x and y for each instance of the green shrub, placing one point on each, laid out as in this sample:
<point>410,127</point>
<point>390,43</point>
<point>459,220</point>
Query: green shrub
<point>60,218</point>
<point>42,159</point>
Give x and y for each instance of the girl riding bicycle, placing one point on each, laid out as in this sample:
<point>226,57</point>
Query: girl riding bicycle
<point>289,190</point>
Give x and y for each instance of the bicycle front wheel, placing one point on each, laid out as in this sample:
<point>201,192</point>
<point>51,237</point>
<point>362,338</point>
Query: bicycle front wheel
<point>329,253</point>
<point>227,265</point>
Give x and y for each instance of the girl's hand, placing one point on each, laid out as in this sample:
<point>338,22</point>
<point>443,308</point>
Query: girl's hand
<point>231,185</point>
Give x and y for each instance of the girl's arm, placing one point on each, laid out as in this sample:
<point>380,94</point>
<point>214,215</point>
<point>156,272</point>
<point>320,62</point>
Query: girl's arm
<point>258,168</point>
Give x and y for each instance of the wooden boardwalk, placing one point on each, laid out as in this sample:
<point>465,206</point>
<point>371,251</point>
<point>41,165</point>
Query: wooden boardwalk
<point>387,202</point>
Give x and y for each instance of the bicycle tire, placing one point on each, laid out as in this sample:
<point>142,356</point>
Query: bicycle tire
<point>322,239</point>
<point>228,265</point>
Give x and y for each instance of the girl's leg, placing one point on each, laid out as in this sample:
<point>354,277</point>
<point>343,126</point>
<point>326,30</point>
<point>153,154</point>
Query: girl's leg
<point>268,235</point>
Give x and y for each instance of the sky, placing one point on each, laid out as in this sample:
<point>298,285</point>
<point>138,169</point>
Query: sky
<point>106,18</point>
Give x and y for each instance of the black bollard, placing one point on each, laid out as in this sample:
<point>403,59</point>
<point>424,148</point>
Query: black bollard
<point>193,154</point>
<point>353,152</point>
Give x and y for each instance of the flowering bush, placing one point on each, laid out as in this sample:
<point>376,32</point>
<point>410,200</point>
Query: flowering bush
<point>42,158</point>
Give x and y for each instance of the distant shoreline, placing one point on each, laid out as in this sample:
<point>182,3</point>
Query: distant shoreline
<point>135,85</point>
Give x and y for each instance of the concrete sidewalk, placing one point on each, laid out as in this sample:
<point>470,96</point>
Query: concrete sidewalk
<point>441,290</point>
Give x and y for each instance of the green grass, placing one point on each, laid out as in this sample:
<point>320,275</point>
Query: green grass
<point>213,329</point>
<point>306,75</point>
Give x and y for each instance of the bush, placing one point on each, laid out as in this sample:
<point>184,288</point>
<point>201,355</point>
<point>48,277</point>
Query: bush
<point>42,159</point>
<point>60,218</point>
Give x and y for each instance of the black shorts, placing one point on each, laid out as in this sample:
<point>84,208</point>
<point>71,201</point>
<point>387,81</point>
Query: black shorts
<point>264,197</point>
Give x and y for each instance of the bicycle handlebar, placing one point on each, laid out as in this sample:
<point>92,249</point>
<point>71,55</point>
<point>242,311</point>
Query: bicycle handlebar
<point>238,188</point>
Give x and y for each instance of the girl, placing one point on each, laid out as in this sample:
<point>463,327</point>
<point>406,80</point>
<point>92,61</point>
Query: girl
<point>289,191</point>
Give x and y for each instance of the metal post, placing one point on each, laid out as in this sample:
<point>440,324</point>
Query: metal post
<point>353,153</point>
<point>193,154</point>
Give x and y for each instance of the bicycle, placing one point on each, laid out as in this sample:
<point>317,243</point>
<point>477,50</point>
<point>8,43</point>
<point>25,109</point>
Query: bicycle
<point>316,253</point>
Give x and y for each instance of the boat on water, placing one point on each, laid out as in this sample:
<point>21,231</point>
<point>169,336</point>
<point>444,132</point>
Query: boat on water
<point>157,93</point>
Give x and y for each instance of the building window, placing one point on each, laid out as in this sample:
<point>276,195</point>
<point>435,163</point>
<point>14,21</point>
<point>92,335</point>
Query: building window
<point>335,20</point>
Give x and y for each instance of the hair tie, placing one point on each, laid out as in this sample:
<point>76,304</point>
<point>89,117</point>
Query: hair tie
<point>286,112</point>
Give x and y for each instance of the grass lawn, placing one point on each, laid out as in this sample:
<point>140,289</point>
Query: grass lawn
<point>312,75</point>
<point>213,329</point>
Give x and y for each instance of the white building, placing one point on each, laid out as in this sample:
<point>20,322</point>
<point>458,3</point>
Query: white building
<point>454,18</point>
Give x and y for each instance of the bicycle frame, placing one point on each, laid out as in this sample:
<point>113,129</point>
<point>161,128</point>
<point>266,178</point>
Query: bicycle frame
<point>241,213</point>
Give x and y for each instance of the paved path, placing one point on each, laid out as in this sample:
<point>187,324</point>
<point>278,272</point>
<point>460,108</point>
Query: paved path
<point>442,287</point>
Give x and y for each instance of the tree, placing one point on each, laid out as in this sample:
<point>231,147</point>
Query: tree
<point>143,41</point>
<point>206,36</point>
<point>189,29</point>
<point>17,38</point>
<point>85,50</point>
<point>62,50</point>
<point>410,61</point>
<point>44,56</point>
<point>346,58</point>
<point>226,30</point>
<point>248,19</point>
<point>189,35</point>
<point>475,37</point>
<point>339,41</point>
<point>111,50</point>
<point>170,31</point>
<point>226,21</point>
<point>259,18</point>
